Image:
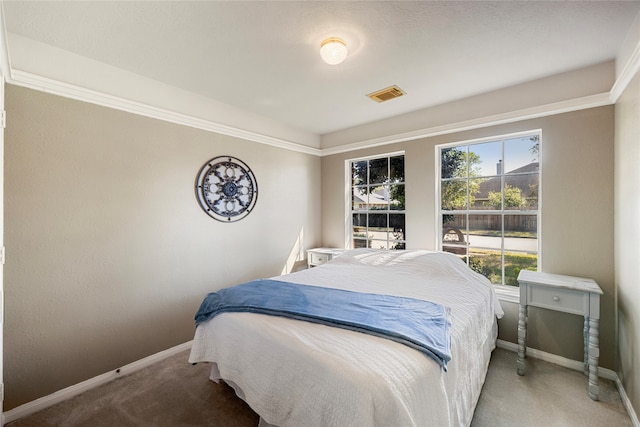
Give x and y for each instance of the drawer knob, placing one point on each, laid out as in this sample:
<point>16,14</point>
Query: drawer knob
<point>556,298</point>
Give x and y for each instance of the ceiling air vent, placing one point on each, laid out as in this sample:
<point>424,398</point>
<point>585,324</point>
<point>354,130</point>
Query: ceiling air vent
<point>386,94</point>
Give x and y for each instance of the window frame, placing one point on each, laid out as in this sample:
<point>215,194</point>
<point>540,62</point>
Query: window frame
<point>349,212</point>
<point>506,292</point>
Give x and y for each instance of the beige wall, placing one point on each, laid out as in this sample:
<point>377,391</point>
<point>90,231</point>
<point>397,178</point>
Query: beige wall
<point>577,214</point>
<point>108,252</point>
<point>627,238</point>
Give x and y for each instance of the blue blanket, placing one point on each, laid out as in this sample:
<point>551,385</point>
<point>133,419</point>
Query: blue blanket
<point>422,325</point>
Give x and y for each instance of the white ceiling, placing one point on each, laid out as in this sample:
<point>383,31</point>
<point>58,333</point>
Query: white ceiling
<point>262,57</point>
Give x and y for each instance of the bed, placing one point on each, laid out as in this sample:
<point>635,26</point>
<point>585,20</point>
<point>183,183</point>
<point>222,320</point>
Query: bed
<point>298,373</point>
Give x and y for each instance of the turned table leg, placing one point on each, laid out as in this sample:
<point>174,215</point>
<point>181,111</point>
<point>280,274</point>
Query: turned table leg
<point>522,339</point>
<point>594,353</point>
<point>586,345</point>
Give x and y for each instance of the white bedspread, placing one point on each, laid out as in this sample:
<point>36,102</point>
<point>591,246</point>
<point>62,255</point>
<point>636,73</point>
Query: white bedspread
<point>295,373</point>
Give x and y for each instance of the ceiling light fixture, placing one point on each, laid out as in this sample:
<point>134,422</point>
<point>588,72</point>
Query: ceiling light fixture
<point>333,50</point>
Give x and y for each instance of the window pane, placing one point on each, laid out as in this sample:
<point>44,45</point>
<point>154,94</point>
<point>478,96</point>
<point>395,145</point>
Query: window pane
<point>360,243</point>
<point>378,198</point>
<point>454,162</point>
<point>454,230</point>
<point>359,225</point>
<point>378,226</point>
<point>396,226</point>
<point>359,198</point>
<point>479,191</point>
<point>398,245</point>
<point>457,250</point>
<point>397,169</point>
<point>521,232</point>
<point>488,263</point>
<point>485,159</point>
<point>359,172</point>
<point>454,195</point>
<point>521,154</point>
<point>485,231</point>
<point>532,195</point>
<point>514,262</point>
<point>378,244</point>
<point>489,194</point>
<point>396,197</point>
<point>378,170</point>
<point>521,192</point>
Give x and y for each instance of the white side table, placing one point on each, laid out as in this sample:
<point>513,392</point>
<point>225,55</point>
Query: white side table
<point>568,294</point>
<point>318,256</point>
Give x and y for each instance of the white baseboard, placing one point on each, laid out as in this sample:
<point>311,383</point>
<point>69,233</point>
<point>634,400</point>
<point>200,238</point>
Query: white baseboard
<point>577,366</point>
<point>627,403</point>
<point>74,390</point>
<point>558,360</point>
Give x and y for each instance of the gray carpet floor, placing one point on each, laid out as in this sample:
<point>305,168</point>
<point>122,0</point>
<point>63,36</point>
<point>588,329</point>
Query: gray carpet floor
<point>174,393</point>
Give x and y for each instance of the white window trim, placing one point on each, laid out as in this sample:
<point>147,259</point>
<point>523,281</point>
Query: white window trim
<point>348,225</point>
<point>504,292</point>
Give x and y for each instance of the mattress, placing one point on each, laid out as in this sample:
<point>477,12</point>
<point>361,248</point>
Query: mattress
<point>295,373</point>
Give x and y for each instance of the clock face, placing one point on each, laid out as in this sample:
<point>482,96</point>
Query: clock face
<point>226,189</point>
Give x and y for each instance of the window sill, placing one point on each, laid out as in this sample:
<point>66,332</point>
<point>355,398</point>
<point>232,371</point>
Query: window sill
<point>508,293</point>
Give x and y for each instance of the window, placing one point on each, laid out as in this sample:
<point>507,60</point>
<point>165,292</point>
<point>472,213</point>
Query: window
<point>489,206</point>
<point>377,202</point>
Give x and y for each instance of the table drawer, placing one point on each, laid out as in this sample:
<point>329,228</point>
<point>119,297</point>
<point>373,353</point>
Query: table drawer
<point>317,259</point>
<point>565,300</point>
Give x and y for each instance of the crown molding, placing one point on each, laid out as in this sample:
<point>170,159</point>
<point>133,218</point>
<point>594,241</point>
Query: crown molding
<point>44,84</point>
<point>629,71</point>
<point>32,81</point>
<point>576,104</point>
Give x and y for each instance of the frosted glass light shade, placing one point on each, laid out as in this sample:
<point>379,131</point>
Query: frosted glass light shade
<point>333,50</point>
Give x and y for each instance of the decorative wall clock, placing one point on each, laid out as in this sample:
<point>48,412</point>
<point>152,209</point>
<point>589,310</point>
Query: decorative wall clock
<point>226,189</point>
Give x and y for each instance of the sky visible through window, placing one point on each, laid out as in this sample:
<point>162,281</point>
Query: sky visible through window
<point>517,153</point>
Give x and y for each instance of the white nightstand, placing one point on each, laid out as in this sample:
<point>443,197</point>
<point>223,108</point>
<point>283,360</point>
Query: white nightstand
<point>568,294</point>
<point>319,256</point>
